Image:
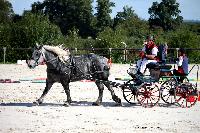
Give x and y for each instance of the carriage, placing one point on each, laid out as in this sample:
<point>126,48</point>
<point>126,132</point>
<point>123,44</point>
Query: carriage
<point>147,90</point>
<point>160,84</point>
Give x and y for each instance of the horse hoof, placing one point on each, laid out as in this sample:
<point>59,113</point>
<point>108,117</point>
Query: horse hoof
<point>118,104</point>
<point>36,103</point>
<point>66,104</point>
<point>96,104</point>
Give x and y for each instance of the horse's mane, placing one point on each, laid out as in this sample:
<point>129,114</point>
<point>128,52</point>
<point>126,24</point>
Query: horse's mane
<point>57,50</point>
<point>62,54</point>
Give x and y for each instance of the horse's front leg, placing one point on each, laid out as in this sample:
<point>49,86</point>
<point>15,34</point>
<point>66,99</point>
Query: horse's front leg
<point>114,96</point>
<point>46,90</point>
<point>100,88</point>
<point>65,85</point>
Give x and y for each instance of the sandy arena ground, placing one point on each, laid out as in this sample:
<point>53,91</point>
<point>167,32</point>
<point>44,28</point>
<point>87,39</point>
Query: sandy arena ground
<point>17,115</point>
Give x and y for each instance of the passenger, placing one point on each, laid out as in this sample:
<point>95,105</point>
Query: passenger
<point>182,63</point>
<point>148,55</point>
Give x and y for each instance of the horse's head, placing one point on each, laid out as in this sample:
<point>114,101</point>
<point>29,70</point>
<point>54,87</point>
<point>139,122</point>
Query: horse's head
<point>37,57</point>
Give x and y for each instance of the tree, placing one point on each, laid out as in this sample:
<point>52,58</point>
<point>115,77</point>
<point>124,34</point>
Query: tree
<point>165,15</point>
<point>103,14</point>
<point>68,14</point>
<point>6,11</point>
<point>127,13</point>
<point>25,32</point>
<point>5,31</point>
<point>132,26</point>
<point>37,7</point>
<point>33,28</point>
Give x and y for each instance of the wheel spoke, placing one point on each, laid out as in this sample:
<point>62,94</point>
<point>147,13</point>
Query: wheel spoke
<point>155,96</point>
<point>142,100</point>
<point>147,101</point>
<point>130,98</point>
<point>166,95</point>
<point>152,99</point>
<point>179,99</point>
<point>168,98</point>
<point>128,95</point>
<point>155,91</point>
<point>182,102</point>
<point>168,87</point>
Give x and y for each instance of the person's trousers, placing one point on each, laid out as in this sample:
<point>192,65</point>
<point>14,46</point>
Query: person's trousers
<point>141,64</point>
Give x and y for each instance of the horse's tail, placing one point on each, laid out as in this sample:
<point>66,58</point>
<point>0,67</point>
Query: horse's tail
<point>100,66</point>
<point>107,66</point>
<point>104,63</point>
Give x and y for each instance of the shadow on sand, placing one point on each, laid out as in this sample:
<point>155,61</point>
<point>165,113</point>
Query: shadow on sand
<point>74,103</point>
<point>86,103</point>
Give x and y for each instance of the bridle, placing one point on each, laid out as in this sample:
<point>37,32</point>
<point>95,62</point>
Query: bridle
<point>42,54</point>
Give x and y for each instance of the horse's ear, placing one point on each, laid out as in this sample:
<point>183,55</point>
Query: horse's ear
<point>38,46</point>
<point>61,46</point>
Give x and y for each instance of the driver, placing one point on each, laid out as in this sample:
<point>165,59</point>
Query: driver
<point>148,55</point>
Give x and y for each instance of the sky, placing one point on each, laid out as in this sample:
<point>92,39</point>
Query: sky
<point>190,9</point>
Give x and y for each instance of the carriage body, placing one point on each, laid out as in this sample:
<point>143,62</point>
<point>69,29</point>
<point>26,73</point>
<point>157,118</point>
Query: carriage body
<point>160,84</point>
<point>145,89</point>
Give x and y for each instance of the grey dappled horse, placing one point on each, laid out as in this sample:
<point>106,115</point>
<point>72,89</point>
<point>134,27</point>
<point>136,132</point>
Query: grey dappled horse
<point>76,68</point>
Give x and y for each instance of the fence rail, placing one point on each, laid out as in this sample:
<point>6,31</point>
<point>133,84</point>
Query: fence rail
<point>124,55</point>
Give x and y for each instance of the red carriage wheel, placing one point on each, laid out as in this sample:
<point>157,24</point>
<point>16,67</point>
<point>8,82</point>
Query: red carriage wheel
<point>148,94</point>
<point>186,95</point>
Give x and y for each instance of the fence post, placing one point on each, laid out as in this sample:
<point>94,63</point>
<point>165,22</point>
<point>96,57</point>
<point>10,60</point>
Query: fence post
<point>125,51</point>
<point>4,55</point>
<point>110,52</point>
<point>76,50</point>
<point>125,54</point>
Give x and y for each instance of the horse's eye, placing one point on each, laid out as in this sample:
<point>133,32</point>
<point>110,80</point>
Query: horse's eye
<point>36,54</point>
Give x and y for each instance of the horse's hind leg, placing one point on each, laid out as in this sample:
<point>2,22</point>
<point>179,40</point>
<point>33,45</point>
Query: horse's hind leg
<point>46,90</point>
<point>100,88</point>
<point>67,91</point>
<point>114,97</point>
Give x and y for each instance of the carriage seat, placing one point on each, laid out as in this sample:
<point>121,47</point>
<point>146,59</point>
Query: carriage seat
<point>158,66</point>
<point>158,70</point>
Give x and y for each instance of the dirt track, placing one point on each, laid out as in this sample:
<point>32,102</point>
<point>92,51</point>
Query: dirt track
<point>18,115</point>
